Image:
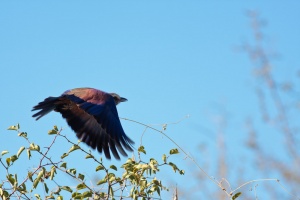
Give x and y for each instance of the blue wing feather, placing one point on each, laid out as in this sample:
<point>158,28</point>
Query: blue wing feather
<point>92,114</point>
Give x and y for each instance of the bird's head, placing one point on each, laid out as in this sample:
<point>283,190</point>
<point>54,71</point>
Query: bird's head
<point>117,98</point>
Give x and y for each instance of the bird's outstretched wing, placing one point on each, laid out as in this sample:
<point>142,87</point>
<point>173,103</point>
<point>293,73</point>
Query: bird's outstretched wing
<point>95,121</point>
<point>98,125</point>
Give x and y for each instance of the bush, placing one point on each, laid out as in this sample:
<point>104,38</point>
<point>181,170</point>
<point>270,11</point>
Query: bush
<point>139,178</point>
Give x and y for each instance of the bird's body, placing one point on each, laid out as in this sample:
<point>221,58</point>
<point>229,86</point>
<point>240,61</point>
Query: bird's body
<point>93,116</point>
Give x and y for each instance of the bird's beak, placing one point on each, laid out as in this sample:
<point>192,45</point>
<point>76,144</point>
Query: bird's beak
<point>123,99</point>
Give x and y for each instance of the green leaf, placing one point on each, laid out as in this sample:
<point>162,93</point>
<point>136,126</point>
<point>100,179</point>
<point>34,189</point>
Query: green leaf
<point>50,197</point>
<point>38,197</point>
<point>52,172</point>
<point>73,148</point>
<point>22,134</point>
<point>111,192</point>
<point>102,181</point>
<point>38,178</point>
<point>87,194</point>
<point>14,128</point>
<point>81,176</point>
<point>30,176</point>
<point>34,147</point>
<point>8,161</point>
<point>35,183</point>
<point>113,167</point>
<point>46,188</point>
<point>89,156</point>
<point>11,179</point>
<point>148,166</point>
<point>31,146</point>
<point>100,167</point>
<point>4,152</point>
<point>236,195</point>
<point>143,183</point>
<point>53,131</point>
<point>64,155</point>
<point>16,180</point>
<point>153,164</point>
<point>20,151</point>
<point>64,165</point>
<point>111,177</point>
<point>80,186</point>
<point>156,182</point>
<point>132,191</point>
<point>164,158</point>
<point>76,195</point>
<point>142,149</point>
<point>67,188</point>
<point>60,198</point>
<point>174,151</point>
<point>37,147</point>
<point>28,153</point>
<point>13,158</point>
<point>158,191</point>
<point>22,188</point>
<point>4,194</point>
<point>173,166</point>
<point>72,171</point>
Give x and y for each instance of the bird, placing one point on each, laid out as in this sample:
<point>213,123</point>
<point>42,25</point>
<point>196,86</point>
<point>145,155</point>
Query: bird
<point>93,116</point>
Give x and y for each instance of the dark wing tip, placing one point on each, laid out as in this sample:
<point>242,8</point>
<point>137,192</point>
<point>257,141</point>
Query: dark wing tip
<point>44,107</point>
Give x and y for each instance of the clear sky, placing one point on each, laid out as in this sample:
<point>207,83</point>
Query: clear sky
<point>168,58</point>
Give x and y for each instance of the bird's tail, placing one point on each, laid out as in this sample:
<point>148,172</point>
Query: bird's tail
<point>45,107</point>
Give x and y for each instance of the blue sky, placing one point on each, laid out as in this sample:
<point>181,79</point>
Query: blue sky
<point>169,59</point>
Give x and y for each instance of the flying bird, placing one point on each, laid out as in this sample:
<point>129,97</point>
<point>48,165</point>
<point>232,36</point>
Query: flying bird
<point>93,116</point>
